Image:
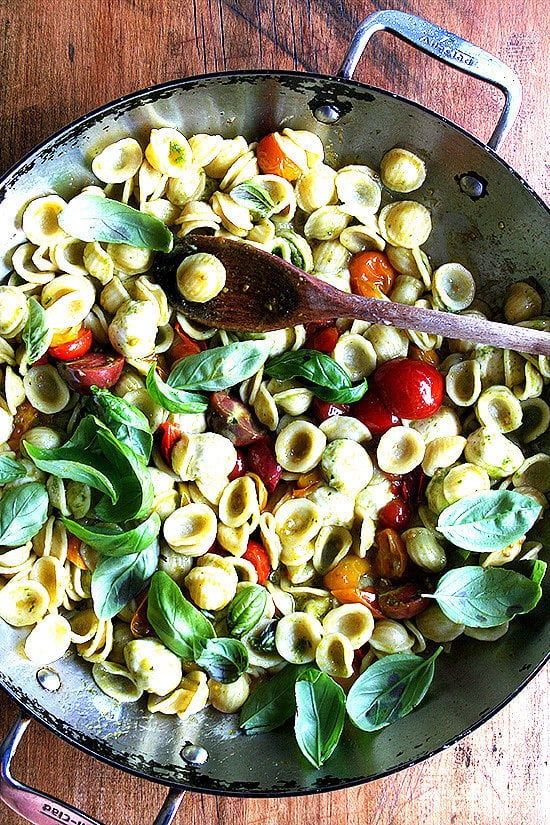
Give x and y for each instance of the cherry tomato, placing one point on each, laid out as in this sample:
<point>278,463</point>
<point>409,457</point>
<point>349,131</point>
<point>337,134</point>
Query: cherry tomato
<point>261,460</point>
<point>327,409</point>
<point>257,554</point>
<point>73,552</point>
<point>356,595</point>
<point>169,433</point>
<point>183,345</point>
<point>140,626</point>
<point>74,348</point>
<point>390,558</point>
<point>403,602</point>
<point>273,157</point>
<point>26,416</point>
<point>430,356</point>
<point>94,369</point>
<point>233,419</point>
<point>240,467</point>
<point>410,389</point>
<point>371,274</point>
<point>373,413</point>
<point>323,340</point>
<point>347,573</point>
<point>40,361</point>
<point>395,514</point>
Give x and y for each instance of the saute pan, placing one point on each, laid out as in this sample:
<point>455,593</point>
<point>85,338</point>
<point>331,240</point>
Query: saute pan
<point>488,218</point>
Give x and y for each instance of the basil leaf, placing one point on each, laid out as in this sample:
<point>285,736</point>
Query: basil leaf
<point>118,579</point>
<point>133,482</point>
<point>223,659</point>
<point>254,197</point>
<point>246,609</point>
<point>220,367</point>
<point>177,623</point>
<point>36,333</point>
<point>23,511</point>
<point>173,399</point>
<point>538,570</point>
<point>111,540</point>
<point>264,641</point>
<point>90,217</point>
<point>75,463</point>
<point>488,521</point>
<point>271,703</point>
<point>327,379</point>
<point>10,469</point>
<point>485,596</point>
<point>389,689</point>
<point>128,424</point>
<point>320,714</point>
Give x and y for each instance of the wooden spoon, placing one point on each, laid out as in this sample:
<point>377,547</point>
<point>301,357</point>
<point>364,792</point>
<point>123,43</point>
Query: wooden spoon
<point>263,292</point>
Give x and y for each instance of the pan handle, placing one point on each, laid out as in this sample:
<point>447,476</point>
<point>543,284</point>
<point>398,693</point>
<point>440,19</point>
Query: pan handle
<point>446,47</point>
<point>42,809</point>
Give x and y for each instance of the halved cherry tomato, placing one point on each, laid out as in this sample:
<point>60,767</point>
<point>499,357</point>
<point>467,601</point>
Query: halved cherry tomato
<point>25,417</point>
<point>430,356</point>
<point>139,623</point>
<point>327,409</point>
<point>356,595</point>
<point>257,555</point>
<point>273,157</point>
<point>373,413</point>
<point>94,369</point>
<point>74,348</point>
<point>390,558</point>
<point>262,461</point>
<point>324,340</point>
<point>169,433</point>
<point>73,552</point>
<point>395,514</point>
<point>347,573</point>
<point>183,345</point>
<point>240,467</point>
<point>371,274</point>
<point>233,419</point>
<point>403,602</point>
<point>410,389</point>
<point>40,361</point>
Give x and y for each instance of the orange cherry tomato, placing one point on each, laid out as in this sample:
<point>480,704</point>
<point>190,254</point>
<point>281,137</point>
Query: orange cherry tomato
<point>324,340</point>
<point>429,356</point>
<point>73,348</point>
<point>356,595</point>
<point>390,556</point>
<point>273,159</point>
<point>26,416</point>
<point>371,274</point>
<point>73,552</point>
<point>64,335</point>
<point>347,573</point>
<point>257,555</point>
<point>169,434</point>
<point>184,345</point>
<point>140,626</point>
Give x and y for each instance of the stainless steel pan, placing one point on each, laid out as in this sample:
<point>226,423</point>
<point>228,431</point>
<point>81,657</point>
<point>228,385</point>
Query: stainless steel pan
<point>485,216</point>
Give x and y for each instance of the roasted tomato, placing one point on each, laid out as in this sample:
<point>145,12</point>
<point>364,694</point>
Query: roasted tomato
<point>347,573</point>
<point>323,340</point>
<point>409,389</point>
<point>371,274</point>
<point>74,348</point>
<point>94,369</point>
<point>168,433</point>
<point>373,413</point>
<point>233,419</point>
<point>395,514</point>
<point>356,595</point>
<point>261,460</point>
<point>390,559</point>
<point>257,555</point>
<point>326,409</point>
<point>240,467</point>
<point>273,153</point>
<point>403,602</point>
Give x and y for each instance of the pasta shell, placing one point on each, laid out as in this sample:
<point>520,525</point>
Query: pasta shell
<point>299,446</point>
<point>45,389</point>
<point>49,640</point>
<point>67,300</point>
<point>52,575</point>
<point>356,355</point>
<point>200,277</point>
<point>13,311</point>
<point>225,155</point>
<point>534,472</point>
<point>334,655</point>
<point>169,152</point>
<point>498,408</point>
<point>424,549</point>
<point>354,621</point>
<point>297,522</point>
<point>405,223</point>
<point>494,452</point>
<point>358,189</point>
<point>116,681</point>
<point>23,602</point>
<point>238,502</point>
<point>316,188</point>
<point>390,636</point>
<point>402,170</point>
<point>297,637</point>
<point>463,383</point>
<point>346,466</point>
<point>23,262</point>
<point>188,187</point>
<point>363,236</point>
<point>331,545</point>
<point>40,220</point>
<point>454,286</point>
<point>211,587</point>
<point>523,302</point>
<point>400,450</point>
<point>345,426</point>
<point>434,625</point>
<point>228,698</point>
<point>326,223</point>
<point>464,480</point>
<point>152,666</point>
<point>442,452</point>
<point>191,530</point>
<point>118,162</point>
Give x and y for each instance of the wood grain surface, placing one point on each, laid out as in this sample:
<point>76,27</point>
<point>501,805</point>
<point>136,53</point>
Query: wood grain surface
<point>60,60</point>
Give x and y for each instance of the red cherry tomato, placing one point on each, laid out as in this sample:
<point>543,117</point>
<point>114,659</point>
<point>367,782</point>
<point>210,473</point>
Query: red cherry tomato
<point>168,433</point>
<point>327,409</point>
<point>371,274</point>
<point>403,602</point>
<point>231,418</point>
<point>261,460</point>
<point>324,340</point>
<point>356,595</point>
<point>74,348</point>
<point>390,558</point>
<point>183,345</point>
<point>274,160</point>
<point>410,389</point>
<point>240,467</point>
<point>257,554</point>
<point>94,369</point>
<point>395,514</point>
<point>373,413</point>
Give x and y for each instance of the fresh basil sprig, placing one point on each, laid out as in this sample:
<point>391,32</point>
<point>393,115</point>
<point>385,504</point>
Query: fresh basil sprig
<point>488,521</point>
<point>10,469</point>
<point>224,659</point>
<point>485,596</point>
<point>389,689</point>
<point>23,511</point>
<point>112,540</point>
<point>86,466</point>
<point>246,609</point>
<point>271,703</point>
<point>177,623</point>
<point>92,217</point>
<point>221,367</point>
<point>327,379</point>
<point>254,197</point>
<point>128,424</point>
<point>36,334</point>
<point>320,715</point>
<point>117,580</point>
<point>172,399</point>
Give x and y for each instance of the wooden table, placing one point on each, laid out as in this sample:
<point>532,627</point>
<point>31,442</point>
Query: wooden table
<point>62,59</point>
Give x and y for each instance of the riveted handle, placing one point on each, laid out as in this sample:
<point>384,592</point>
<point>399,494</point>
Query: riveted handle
<point>449,49</point>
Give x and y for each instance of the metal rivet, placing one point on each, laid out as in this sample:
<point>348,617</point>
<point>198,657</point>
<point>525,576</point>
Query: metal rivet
<point>326,113</point>
<point>194,754</point>
<point>48,679</point>
<point>472,185</point>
